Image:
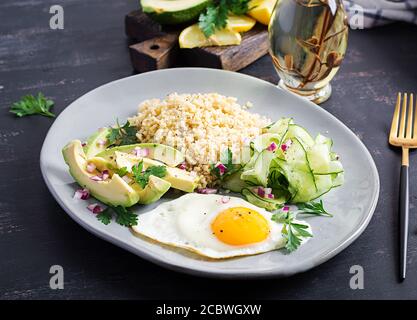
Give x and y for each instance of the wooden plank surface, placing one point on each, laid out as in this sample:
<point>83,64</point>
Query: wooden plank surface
<point>36,233</point>
<point>146,34</point>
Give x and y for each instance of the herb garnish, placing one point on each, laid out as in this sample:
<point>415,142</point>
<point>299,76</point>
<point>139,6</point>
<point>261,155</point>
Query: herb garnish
<point>142,176</point>
<point>226,167</point>
<point>315,208</point>
<point>124,216</point>
<point>121,171</point>
<point>293,231</point>
<point>29,105</point>
<point>120,136</point>
<point>215,16</point>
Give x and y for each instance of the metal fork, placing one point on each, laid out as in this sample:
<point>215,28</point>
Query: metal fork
<point>404,134</point>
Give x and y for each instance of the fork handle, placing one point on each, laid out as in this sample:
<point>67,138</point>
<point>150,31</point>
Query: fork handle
<point>403,220</point>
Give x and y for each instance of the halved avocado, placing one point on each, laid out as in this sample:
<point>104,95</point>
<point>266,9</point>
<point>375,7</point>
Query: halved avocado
<point>96,142</point>
<point>173,11</point>
<point>114,191</point>
<point>179,179</point>
<point>166,154</point>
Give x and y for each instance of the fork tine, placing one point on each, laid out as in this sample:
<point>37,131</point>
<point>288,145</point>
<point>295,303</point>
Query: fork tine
<point>410,117</point>
<point>394,124</point>
<point>402,118</point>
<point>415,122</point>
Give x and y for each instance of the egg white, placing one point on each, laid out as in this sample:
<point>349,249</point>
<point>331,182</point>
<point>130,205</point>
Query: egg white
<point>186,223</point>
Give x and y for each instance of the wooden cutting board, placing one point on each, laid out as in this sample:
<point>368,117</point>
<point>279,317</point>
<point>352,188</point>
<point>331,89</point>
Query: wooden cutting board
<point>153,46</point>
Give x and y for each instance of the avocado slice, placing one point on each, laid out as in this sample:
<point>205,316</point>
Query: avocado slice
<point>179,179</point>
<point>173,12</point>
<point>166,154</point>
<point>97,142</point>
<point>153,191</point>
<point>114,191</point>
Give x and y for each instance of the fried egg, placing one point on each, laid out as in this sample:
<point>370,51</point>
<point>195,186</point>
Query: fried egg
<point>212,225</point>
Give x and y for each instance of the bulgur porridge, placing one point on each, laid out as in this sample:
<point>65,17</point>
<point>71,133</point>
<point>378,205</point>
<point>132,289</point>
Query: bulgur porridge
<point>201,126</point>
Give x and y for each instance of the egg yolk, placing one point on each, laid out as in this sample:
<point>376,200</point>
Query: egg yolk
<point>240,226</point>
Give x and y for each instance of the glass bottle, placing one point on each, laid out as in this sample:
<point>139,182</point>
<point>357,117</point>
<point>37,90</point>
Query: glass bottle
<point>308,40</point>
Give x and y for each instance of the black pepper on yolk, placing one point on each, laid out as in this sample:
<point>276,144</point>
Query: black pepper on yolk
<point>240,226</point>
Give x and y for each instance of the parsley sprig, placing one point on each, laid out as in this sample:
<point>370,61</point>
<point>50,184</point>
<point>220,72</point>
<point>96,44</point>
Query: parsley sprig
<point>292,230</point>
<point>142,176</point>
<point>29,105</point>
<point>314,208</point>
<point>295,231</point>
<point>122,135</point>
<point>121,171</point>
<point>124,216</point>
<point>215,15</point>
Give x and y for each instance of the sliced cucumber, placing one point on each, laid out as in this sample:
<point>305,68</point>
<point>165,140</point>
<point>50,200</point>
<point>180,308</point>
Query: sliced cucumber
<point>234,183</point>
<point>296,131</point>
<point>266,203</point>
<point>258,175</point>
<point>319,158</point>
<point>263,141</point>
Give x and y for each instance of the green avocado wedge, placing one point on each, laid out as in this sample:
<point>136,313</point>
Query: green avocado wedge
<point>166,154</point>
<point>114,191</point>
<point>97,142</point>
<point>173,11</point>
<point>153,191</point>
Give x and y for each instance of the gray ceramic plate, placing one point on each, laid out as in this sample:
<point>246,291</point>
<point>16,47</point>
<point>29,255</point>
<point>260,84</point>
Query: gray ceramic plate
<point>352,204</point>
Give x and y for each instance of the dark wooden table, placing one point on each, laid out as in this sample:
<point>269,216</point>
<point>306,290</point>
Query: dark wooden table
<point>35,233</point>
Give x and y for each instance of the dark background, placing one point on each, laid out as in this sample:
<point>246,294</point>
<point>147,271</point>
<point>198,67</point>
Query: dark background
<point>35,233</point>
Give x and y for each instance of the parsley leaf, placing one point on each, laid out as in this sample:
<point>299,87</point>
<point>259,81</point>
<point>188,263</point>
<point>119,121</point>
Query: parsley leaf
<point>105,216</point>
<point>315,208</point>
<point>293,231</point>
<point>121,171</point>
<point>215,15</point>
<point>124,216</point>
<point>29,105</point>
<point>142,176</point>
<point>122,135</point>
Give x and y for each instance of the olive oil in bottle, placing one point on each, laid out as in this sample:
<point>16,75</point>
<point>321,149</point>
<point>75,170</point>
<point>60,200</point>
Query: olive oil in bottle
<point>308,40</point>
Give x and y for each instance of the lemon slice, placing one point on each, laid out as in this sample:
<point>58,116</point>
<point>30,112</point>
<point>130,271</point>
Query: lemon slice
<point>262,10</point>
<point>193,37</point>
<point>240,23</point>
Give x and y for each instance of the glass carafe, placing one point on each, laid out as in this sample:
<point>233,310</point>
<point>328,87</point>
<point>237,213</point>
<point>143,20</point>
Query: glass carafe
<point>308,40</point>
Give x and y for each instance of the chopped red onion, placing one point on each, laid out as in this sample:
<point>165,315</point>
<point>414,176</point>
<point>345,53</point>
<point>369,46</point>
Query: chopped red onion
<point>260,191</point>
<point>182,166</point>
<point>83,144</point>
<point>272,147</point>
<point>139,152</point>
<point>286,145</point>
<point>206,190</point>
<point>222,168</point>
<point>268,190</point>
<point>285,208</point>
<point>271,196</point>
<point>105,175</point>
<point>95,208</point>
<point>96,178</point>
<point>225,199</point>
<point>91,167</point>
<point>82,194</point>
